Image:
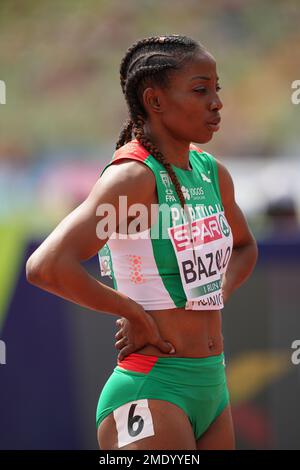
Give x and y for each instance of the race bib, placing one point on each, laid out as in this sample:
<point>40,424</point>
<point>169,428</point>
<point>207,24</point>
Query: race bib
<point>202,277</point>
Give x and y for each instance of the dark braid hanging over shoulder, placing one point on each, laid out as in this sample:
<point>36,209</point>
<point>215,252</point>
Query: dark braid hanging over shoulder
<point>151,60</point>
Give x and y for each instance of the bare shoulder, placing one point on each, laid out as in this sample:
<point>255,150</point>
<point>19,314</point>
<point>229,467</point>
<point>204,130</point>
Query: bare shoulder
<point>77,233</point>
<point>128,177</point>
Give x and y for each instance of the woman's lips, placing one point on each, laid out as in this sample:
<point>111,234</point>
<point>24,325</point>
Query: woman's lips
<point>214,125</point>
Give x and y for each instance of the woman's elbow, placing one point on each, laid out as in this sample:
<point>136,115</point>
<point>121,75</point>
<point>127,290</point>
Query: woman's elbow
<point>38,271</point>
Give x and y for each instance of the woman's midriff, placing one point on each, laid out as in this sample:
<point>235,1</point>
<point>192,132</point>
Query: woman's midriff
<point>193,333</point>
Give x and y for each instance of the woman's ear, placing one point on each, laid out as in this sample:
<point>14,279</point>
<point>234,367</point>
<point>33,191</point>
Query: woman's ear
<point>152,100</point>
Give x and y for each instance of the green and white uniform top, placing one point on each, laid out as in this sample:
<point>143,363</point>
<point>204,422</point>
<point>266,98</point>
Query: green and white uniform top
<point>161,268</point>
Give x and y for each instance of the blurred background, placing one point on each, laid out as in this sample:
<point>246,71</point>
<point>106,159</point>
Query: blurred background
<point>63,114</point>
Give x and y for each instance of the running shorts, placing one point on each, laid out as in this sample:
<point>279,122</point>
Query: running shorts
<point>197,385</point>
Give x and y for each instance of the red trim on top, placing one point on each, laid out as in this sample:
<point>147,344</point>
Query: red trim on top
<point>138,363</point>
<point>194,147</point>
<point>133,150</point>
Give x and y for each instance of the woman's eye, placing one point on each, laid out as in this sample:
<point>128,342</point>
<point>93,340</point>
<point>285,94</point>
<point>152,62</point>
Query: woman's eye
<point>204,90</point>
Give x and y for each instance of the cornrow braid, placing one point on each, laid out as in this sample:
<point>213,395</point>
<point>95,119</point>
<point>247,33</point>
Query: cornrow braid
<point>133,80</point>
<point>154,151</point>
<point>151,60</point>
<point>153,40</point>
<point>125,134</point>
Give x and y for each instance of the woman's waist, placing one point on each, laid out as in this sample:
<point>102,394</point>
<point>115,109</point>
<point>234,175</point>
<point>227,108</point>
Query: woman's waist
<point>192,333</point>
<point>177,370</point>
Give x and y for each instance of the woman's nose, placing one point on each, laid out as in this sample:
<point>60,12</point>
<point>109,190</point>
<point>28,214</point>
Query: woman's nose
<point>216,104</point>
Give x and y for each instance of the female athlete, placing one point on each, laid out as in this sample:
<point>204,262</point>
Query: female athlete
<point>173,266</point>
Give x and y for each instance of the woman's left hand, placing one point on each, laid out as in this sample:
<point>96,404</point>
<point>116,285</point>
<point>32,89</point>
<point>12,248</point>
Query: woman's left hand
<point>132,336</point>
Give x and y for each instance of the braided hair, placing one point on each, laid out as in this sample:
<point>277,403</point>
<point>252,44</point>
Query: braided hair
<point>151,60</point>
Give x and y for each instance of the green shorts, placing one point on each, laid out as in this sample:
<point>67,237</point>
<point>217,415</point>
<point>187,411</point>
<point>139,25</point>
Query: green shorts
<point>197,385</point>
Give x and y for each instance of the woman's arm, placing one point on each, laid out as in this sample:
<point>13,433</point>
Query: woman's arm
<point>56,265</point>
<point>244,254</point>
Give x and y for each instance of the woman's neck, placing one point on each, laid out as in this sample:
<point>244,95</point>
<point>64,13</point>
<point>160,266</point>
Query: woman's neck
<point>174,151</point>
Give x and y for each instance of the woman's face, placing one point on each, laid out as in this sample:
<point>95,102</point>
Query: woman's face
<point>191,104</point>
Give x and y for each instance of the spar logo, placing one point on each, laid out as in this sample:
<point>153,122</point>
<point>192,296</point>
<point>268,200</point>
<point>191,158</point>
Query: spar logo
<point>203,231</point>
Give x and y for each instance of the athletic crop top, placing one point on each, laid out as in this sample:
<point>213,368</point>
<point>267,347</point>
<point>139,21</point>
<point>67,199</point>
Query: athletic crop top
<point>162,269</point>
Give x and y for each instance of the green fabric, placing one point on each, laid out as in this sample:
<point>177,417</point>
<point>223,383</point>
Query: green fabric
<point>197,385</point>
<point>165,258</point>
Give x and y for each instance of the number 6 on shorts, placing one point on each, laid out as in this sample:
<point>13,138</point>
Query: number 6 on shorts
<point>133,422</point>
